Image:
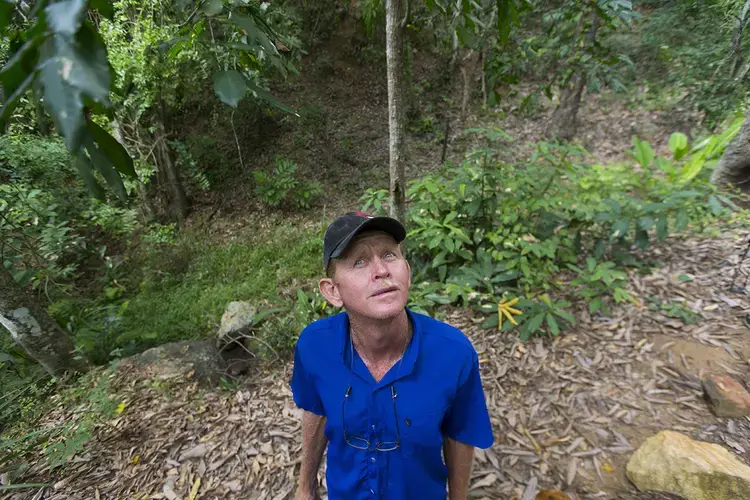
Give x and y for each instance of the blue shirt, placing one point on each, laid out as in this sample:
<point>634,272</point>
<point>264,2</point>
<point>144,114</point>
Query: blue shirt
<point>438,393</point>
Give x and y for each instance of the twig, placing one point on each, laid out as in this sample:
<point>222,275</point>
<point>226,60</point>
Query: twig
<point>236,139</point>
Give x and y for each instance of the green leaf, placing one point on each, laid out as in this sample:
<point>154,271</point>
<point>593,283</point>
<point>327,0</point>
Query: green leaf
<point>86,170</point>
<point>715,205</point>
<point>114,151</point>
<point>230,86</point>
<point>6,8</point>
<point>64,102</point>
<point>552,323</point>
<point>104,7</point>
<point>212,7</point>
<point>103,165</point>
<point>507,15</point>
<point>678,145</point>
<point>643,152</point>
<point>449,217</point>
<point>684,277</point>
<point>490,322</point>
<point>269,98</point>
<point>662,228</point>
<point>646,222</point>
<point>536,322</point>
<point>682,220</point>
<point>641,238</point>
<point>64,18</point>
<point>565,315</point>
<point>620,228</point>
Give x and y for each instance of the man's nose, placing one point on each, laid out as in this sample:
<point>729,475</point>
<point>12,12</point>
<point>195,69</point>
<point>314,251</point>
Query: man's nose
<point>380,269</point>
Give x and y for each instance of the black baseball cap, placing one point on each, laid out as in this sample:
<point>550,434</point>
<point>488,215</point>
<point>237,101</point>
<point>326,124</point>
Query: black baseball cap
<point>341,232</point>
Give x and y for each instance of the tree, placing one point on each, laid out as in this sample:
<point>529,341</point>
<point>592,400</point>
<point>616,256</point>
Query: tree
<point>740,23</point>
<point>734,166</point>
<point>395,21</point>
<point>31,327</point>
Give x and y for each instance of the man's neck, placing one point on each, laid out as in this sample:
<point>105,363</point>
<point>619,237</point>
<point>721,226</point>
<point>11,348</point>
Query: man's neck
<point>379,340</point>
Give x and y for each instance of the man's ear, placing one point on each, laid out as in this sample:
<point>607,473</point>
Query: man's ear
<point>330,291</point>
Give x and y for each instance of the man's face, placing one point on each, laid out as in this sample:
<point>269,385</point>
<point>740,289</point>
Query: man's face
<point>371,278</point>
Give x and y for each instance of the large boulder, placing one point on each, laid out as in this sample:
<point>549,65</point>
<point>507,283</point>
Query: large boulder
<point>672,462</point>
<point>198,360</point>
<point>734,166</point>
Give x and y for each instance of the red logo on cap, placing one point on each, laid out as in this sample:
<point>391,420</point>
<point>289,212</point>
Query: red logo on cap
<point>363,214</point>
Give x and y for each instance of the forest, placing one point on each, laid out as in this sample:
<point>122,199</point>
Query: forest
<point>573,176</point>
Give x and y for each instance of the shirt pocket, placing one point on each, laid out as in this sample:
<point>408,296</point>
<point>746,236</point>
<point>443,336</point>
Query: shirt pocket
<point>421,423</point>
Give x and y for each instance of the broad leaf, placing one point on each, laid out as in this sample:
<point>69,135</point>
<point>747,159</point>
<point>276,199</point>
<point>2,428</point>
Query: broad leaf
<point>507,15</point>
<point>715,205</point>
<point>86,170</point>
<point>212,7</point>
<point>230,86</point>
<point>103,165</point>
<point>269,98</point>
<point>113,150</point>
<point>64,18</point>
<point>678,145</point>
<point>6,8</point>
<point>552,323</point>
<point>63,101</point>
<point>11,102</point>
<point>643,152</point>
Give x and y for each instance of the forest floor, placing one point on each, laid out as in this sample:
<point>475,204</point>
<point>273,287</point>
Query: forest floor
<point>567,412</point>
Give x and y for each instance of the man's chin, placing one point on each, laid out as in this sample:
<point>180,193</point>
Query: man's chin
<point>383,312</point>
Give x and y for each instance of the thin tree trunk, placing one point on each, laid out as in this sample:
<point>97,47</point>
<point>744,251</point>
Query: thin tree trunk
<point>739,27</point>
<point>564,122</point>
<point>178,202</point>
<point>394,32</point>
<point>31,327</point>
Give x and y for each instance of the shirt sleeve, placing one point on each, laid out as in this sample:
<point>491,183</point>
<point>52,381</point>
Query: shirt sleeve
<point>304,392</point>
<point>468,420</point>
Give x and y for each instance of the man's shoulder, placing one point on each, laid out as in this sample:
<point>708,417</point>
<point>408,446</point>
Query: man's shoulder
<point>446,335</point>
<point>319,334</point>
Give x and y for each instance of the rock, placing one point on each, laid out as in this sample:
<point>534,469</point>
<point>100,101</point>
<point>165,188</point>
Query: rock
<point>551,495</point>
<point>236,322</point>
<point>197,359</point>
<point>728,397</point>
<point>672,462</point>
<point>734,165</point>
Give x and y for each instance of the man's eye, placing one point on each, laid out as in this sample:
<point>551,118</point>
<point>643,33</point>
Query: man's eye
<point>359,262</point>
<point>388,255</point>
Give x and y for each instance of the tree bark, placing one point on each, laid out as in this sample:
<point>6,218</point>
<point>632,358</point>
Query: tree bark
<point>31,327</point>
<point>394,31</point>
<point>564,122</point>
<point>734,166</point>
<point>179,206</point>
<point>739,27</point>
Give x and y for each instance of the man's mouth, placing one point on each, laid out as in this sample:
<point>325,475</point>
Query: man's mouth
<point>385,290</point>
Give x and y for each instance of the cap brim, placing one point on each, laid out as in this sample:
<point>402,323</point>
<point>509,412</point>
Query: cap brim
<point>386,224</point>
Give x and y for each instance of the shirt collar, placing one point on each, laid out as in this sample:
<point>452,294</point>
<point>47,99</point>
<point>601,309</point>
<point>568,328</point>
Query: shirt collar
<point>410,355</point>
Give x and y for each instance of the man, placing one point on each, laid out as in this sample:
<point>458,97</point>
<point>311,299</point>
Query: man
<point>388,391</point>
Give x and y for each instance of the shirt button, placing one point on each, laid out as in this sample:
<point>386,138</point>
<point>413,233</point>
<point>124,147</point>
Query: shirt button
<point>372,459</point>
<point>372,491</point>
<point>373,427</point>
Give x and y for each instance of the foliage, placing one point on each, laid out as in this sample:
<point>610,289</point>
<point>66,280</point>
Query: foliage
<point>683,48</point>
<point>486,229</point>
<point>283,186</point>
<point>48,224</point>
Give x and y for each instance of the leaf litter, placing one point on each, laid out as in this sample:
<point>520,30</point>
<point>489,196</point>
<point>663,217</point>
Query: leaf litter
<point>567,412</point>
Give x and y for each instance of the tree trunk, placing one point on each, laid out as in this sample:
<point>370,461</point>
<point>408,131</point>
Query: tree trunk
<point>394,32</point>
<point>734,166</point>
<point>31,327</point>
<point>564,122</point>
<point>178,201</point>
<point>739,27</point>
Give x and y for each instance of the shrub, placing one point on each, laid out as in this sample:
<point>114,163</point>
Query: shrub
<point>284,187</point>
<point>487,229</point>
